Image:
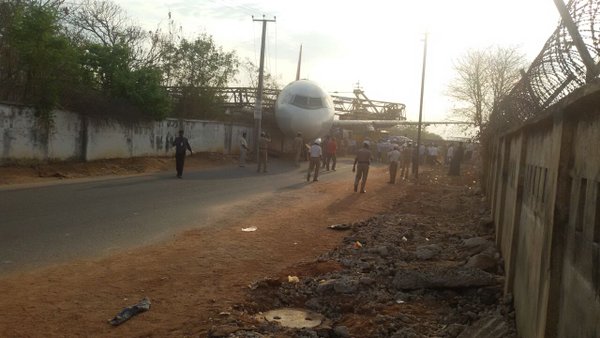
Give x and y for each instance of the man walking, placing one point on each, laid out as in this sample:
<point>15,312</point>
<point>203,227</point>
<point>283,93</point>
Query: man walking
<point>324,150</point>
<point>405,159</point>
<point>361,167</point>
<point>331,150</point>
<point>456,159</point>
<point>450,154</point>
<point>298,145</point>
<point>181,145</point>
<point>393,156</point>
<point>243,150</point>
<point>315,160</point>
<point>263,151</point>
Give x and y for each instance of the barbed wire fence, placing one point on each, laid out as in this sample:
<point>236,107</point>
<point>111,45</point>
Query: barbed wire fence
<point>569,59</point>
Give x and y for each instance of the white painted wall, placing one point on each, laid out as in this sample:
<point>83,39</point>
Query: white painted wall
<point>74,136</point>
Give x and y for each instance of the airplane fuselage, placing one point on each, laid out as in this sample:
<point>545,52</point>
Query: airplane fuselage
<point>302,106</point>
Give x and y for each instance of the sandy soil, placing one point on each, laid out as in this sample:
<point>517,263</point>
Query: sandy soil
<point>23,172</point>
<point>193,277</point>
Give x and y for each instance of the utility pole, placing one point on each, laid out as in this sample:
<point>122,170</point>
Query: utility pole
<point>259,94</point>
<point>416,164</point>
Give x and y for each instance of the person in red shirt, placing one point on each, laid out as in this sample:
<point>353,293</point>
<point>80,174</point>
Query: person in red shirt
<point>331,150</point>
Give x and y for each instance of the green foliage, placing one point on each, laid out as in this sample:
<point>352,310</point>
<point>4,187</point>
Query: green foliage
<point>196,67</point>
<point>103,65</point>
<point>107,69</point>
<point>199,103</point>
<point>46,60</point>
<point>200,63</point>
<point>91,59</point>
<point>143,88</point>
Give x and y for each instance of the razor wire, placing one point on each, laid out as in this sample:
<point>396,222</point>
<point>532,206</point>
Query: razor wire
<point>558,69</point>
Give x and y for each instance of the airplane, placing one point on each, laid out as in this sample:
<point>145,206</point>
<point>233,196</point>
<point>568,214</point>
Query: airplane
<point>304,107</point>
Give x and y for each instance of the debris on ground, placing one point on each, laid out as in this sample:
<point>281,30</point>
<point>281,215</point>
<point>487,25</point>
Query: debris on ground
<point>292,318</point>
<point>432,274</point>
<point>340,227</point>
<point>249,229</point>
<point>130,311</point>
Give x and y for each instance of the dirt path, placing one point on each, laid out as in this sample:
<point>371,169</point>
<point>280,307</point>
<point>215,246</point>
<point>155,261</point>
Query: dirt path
<point>194,277</point>
<point>32,172</point>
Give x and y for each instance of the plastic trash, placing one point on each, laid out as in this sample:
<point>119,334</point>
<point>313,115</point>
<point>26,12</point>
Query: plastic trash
<point>128,312</point>
<point>250,229</point>
<point>340,227</point>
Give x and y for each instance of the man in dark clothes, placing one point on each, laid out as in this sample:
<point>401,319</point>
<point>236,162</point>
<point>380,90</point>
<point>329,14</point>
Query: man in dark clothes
<point>263,151</point>
<point>363,159</point>
<point>456,159</point>
<point>181,145</point>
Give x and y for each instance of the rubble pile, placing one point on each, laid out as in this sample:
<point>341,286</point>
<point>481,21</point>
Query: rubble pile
<point>428,269</point>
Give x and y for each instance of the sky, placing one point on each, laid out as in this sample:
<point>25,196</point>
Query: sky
<point>377,43</point>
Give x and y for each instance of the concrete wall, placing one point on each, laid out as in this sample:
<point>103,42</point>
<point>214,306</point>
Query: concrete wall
<point>545,193</point>
<point>75,136</point>
<point>580,289</point>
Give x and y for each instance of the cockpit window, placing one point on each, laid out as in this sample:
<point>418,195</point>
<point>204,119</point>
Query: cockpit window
<point>307,102</point>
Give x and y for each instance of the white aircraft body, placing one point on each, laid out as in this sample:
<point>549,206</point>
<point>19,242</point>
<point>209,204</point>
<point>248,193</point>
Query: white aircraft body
<point>302,106</point>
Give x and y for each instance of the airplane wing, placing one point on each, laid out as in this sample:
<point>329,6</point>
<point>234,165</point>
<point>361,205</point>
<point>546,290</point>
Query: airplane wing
<point>390,123</point>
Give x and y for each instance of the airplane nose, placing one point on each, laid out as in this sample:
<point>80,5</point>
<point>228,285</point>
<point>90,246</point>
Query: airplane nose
<point>310,123</point>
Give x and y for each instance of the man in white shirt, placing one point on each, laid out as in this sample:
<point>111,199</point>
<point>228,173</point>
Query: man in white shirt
<point>315,160</point>
<point>433,154</point>
<point>243,150</point>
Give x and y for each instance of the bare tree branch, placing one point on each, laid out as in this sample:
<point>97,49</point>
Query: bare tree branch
<point>483,78</point>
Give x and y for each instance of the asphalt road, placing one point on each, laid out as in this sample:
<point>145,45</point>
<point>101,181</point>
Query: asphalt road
<point>56,223</point>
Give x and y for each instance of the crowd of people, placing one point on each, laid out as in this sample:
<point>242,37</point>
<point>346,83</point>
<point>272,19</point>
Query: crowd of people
<point>399,156</point>
<point>322,155</point>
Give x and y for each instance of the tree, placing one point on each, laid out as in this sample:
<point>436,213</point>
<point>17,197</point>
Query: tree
<point>102,22</point>
<point>250,72</point>
<point>90,58</point>
<point>197,67</point>
<point>107,70</point>
<point>8,59</point>
<point>106,23</point>
<point>483,78</point>
<point>200,63</point>
<point>46,63</point>
<point>412,132</point>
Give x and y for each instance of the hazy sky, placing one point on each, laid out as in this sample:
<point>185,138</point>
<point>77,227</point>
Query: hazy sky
<point>376,42</point>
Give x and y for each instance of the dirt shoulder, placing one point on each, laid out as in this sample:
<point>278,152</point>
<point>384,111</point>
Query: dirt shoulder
<point>31,172</point>
<point>203,281</point>
<point>191,278</point>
